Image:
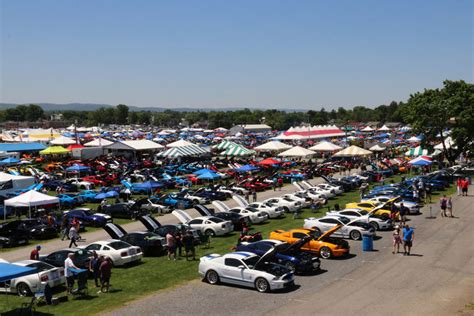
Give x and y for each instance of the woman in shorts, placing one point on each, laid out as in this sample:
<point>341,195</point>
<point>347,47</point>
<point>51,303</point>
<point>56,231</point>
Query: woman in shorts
<point>396,239</point>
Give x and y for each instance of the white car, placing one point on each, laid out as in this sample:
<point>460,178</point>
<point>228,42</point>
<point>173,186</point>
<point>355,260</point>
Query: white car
<point>120,252</point>
<point>305,202</point>
<point>287,204</point>
<point>80,184</point>
<point>271,211</point>
<point>325,186</point>
<point>318,198</point>
<point>232,189</point>
<point>255,216</point>
<point>350,229</point>
<point>194,198</point>
<point>377,222</point>
<point>208,225</point>
<point>43,274</point>
<point>246,269</point>
<point>413,207</point>
<point>152,206</point>
<point>327,192</point>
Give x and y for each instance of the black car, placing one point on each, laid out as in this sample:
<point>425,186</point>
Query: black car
<point>210,194</point>
<point>346,185</point>
<point>13,240</point>
<point>29,228</point>
<point>152,225</point>
<point>81,259</point>
<point>123,210</point>
<point>236,219</point>
<point>151,244</point>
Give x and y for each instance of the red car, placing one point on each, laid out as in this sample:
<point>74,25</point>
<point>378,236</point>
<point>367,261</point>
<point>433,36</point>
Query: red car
<point>95,180</point>
<point>254,185</point>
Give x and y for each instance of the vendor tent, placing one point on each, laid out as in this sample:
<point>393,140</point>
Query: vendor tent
<point>77,168</point>
<point>63,141</point>
<point>421,161</point>
<point>367,129</point>
<point>418,151</point>
<point>352,151</point>
<point>179,143</point>
<point>246,168</point>
<point>269,162</point>
<point>297,151</point>
<point>54,150</point>
<point>273,146</point>
<point>135,145</point>
<point>384,128</point>
<point>31,199</point>
<point>325,146</point>
<point>74,146</point>
<point>98,142</point>
<point>185,151</point>
<point>413,139</point>
<point>225,145</point>
<point>208,176</point>
<point>377,147</point>
<point>237,151</point>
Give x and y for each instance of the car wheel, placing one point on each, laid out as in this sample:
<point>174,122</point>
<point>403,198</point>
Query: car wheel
<point>23,289</point>
<point>266,214</point>
<point>325,252</point>
<point>286,209</point>
<point>212,277</point>
<point>195,202</point>
<point>374,225</point>
<point>262,285</point>
<point>210,232</point>
<point>355,235</point>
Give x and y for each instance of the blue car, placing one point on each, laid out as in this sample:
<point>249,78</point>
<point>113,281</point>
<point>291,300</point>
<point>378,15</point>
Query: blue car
<point>89,196</point>
<point>289,255</point>
<point>88,218</point>
<point>68,199</point>
<point>173,201</point>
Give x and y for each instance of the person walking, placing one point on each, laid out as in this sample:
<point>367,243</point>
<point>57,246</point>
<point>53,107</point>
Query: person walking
<point>73,236</point>
<point>464,186</point>
<point>34,255</point>
<point>105,271</point>
<point>178,237</point>
<point>171,244</point>
<point>443,204</point>
<point>64,228</point>
<point>68,265</point>
<point>280,183</point>
<point>396,239</point>
<point>449,207</point>
<point>254,195</point>
<point>188,241</point>
<point>408,238</point>
<point>403,214</point>
<point>459,186</point>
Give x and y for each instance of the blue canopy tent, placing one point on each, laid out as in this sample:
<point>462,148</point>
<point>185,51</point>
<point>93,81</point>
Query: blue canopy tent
<point>9,161</point>
<point>201,171</point>
<point>78,168</point>
<point>246,168</point>
<point>208,176</point>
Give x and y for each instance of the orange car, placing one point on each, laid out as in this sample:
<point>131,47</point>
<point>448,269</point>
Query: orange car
<point>323,245</point>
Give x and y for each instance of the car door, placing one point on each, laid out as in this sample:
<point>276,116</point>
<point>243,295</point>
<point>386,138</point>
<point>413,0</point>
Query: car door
<point>233,271</point>
<point>196,224</point>
<point>296,236</point>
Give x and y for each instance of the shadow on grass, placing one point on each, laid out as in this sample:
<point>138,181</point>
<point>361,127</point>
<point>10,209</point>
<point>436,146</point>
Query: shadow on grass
<point>24,311</point>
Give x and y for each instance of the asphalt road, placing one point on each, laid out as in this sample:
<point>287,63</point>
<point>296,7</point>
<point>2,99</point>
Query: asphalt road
<point>437,279</point>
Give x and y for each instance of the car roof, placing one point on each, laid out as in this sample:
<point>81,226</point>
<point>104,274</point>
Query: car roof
<point>240,255</point>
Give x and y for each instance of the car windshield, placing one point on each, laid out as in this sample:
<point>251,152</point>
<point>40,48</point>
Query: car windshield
<point>216,220</point>
<point>251,209</point>
<point>82,253</point>
<point>344,220</point>
<point>287,199</point>
<point>363,212</point>
<point>88,213</point>
<point>117,245</point>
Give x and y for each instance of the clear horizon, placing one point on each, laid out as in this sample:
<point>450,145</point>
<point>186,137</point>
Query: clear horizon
<point>213,54</point>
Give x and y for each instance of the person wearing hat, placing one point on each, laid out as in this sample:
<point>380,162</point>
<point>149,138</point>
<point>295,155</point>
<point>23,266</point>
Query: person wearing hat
<point>34,255</point>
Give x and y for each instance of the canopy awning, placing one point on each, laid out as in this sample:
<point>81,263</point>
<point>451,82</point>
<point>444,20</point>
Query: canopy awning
<point>62,140</point>
<point>325,146</point>
<point>273,146</point>
<point>98,142</point>
<point>418,151</point>
<point>237,151</point>
<point>297,151</point>
<point>54,150</point>
<point>353,151</point>
<point>179,143</point>
<point>185,151</point>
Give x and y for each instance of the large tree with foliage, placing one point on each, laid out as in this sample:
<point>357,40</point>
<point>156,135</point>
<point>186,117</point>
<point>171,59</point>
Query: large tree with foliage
<point>433,111</point>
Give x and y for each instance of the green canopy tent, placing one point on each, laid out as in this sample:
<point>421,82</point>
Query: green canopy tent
<point>55,150</point>
<point>237,151</point>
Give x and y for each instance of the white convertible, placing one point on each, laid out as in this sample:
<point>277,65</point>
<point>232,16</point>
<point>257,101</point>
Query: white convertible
<point>246,269</point>
<point>209,225</point>
<point>120,252</point>
<point>42,274</point>
<point>375,221</point>
<point>350,229</point>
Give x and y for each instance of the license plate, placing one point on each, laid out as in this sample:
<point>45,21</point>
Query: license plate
<point>132,251</point>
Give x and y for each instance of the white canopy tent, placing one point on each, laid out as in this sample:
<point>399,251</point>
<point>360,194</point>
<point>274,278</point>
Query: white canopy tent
<point>179,143</point>
<point>413,139</point>
<point>384,128</point>
<point>30,199</point>
<point>99,142</point>
<point>367,129</point>
<point>63,141</point>
<point>325,146</point>
<point>297,151</point>
<point>273,146</point>
<point>448,142</point>
<point>353,151</point>
<point>378,147</point>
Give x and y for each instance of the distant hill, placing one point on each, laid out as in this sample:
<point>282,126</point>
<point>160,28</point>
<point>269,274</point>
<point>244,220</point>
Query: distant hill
<point>93,107</point>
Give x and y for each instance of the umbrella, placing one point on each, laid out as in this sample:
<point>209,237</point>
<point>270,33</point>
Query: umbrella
<point>208,176</point>
<point>269,162</point>
<point>77,168</point>
<point>9,161</point>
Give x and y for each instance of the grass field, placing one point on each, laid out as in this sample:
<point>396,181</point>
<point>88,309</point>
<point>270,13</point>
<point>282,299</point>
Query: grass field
<point>159,273</point>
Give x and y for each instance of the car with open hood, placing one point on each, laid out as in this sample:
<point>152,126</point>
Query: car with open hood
<point>208,225</point>
<point>289,205</point>
<point>289,255</point>
<point>322,244</point>
<point>271,211</point>
<point>42,274</point>
<point>412,206</point>
<point>382,210</point>
<point>353,229</point>
<point>151,244</point>
<point>123,210</point>
<point>154,226</point>
<point>239,221</point>
<point>246,269</point>
<point>152,205</point>
<point>253,214</point>
<point>118,251</point>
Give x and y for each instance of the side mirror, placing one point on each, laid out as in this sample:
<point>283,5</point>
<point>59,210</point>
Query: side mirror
<point>241,267</point>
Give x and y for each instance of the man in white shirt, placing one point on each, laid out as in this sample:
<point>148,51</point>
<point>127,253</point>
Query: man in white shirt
<point>69,264</point>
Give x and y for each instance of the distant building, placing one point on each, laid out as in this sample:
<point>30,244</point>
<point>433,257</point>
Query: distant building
<point>250,128</point>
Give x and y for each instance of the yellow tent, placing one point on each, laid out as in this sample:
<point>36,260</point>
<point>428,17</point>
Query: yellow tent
<point>54,150</point>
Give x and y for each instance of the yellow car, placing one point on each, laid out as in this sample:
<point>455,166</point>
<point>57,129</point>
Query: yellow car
<point>370,205</point>
<point>321,244</point>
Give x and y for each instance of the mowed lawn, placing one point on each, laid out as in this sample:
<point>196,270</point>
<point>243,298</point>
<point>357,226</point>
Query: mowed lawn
<point>158,273</point>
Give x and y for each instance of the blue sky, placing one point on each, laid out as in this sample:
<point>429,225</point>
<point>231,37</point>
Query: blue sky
<point>216,54</point>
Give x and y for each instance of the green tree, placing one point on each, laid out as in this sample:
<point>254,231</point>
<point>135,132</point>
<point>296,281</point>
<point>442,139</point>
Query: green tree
<point>121,114</point>
<point>33,113</point>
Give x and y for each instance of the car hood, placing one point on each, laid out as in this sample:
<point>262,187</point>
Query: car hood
<point>266,257</point>
<point>329,232</point>
<point>149,222</point>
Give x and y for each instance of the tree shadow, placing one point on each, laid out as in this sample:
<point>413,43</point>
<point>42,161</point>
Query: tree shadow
<point>24,311</point>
